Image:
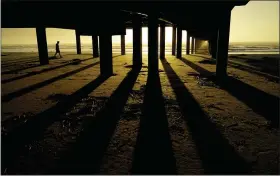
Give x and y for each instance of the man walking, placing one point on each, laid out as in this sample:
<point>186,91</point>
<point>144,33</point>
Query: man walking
<point>57,50</point>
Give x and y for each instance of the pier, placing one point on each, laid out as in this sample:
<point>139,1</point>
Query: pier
<point>99,112</point>
<point>114,18</point>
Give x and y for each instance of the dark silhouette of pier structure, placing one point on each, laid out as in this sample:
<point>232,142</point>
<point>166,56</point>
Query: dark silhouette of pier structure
<point>203,20</point>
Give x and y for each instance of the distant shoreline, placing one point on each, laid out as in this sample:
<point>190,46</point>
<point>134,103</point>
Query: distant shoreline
<point>234,48</point>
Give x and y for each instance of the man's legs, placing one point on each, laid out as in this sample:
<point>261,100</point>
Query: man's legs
<point>60,55</point>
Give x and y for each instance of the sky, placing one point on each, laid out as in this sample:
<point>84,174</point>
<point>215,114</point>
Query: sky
<point>258,21</point>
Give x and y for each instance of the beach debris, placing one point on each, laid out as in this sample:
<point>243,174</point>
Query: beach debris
<point>204,81</point>
<point>76,61</point>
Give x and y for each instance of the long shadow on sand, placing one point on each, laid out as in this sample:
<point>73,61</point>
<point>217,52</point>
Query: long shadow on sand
<point>217,155</point>
<point>19,62</point>
<point>271,75</point>
<point>24,60</point>
<point>12,95</point>
<point>21,59</point>
<point>39,72</point>
<point>153,151</point>
<point>13,143</point>
<point>36,72</point>
<point>259,101</point>
<point>19,69</point>
<point>85,156</point>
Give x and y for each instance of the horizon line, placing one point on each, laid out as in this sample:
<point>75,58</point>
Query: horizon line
<point>276,42</point>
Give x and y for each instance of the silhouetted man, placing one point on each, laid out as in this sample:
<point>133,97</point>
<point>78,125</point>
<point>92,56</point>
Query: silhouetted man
<point>57,50</point>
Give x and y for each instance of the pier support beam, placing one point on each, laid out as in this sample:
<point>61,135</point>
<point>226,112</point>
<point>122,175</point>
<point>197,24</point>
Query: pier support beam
<point>188,44</point>
<point>122,44</point>
<point>162,40</point>
<point>106,61</point>
<point>137,41</point>
<point>42,45</point>
<point>192,45</point>
<point>179,43</point>
<point>173,40</point>
<point>213,45</point>
<point>95,52</point>
<point>214,48</point>
<point>78,42</point>
<point>223,42</point>
<point>152,43</point>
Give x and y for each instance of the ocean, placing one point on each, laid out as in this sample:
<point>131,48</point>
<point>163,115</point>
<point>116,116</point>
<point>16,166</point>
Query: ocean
<point>234,48</point>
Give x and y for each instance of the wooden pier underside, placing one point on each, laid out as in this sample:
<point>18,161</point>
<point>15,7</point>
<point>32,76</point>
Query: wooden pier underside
<point>200,19</point>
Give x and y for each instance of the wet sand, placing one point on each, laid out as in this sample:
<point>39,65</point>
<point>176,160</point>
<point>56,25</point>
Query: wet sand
<point>69,120</point>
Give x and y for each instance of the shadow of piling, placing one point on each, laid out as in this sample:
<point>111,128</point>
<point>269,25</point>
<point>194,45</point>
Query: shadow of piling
<point>13,143</point>
<point>15,63</point>
<point>36,72</point>
<point>41,71</point>
<point>217,155</point>
<point>12,95</point>
<point>26,60</point>
<point>19,69</point>
<point>86,154</point>
<point>153,151</point>
<point>22,58</point>
<point>260,102</point>
<point>271,74</point>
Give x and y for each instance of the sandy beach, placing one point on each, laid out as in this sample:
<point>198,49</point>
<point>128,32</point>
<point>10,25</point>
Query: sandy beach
<point>69,119</point>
